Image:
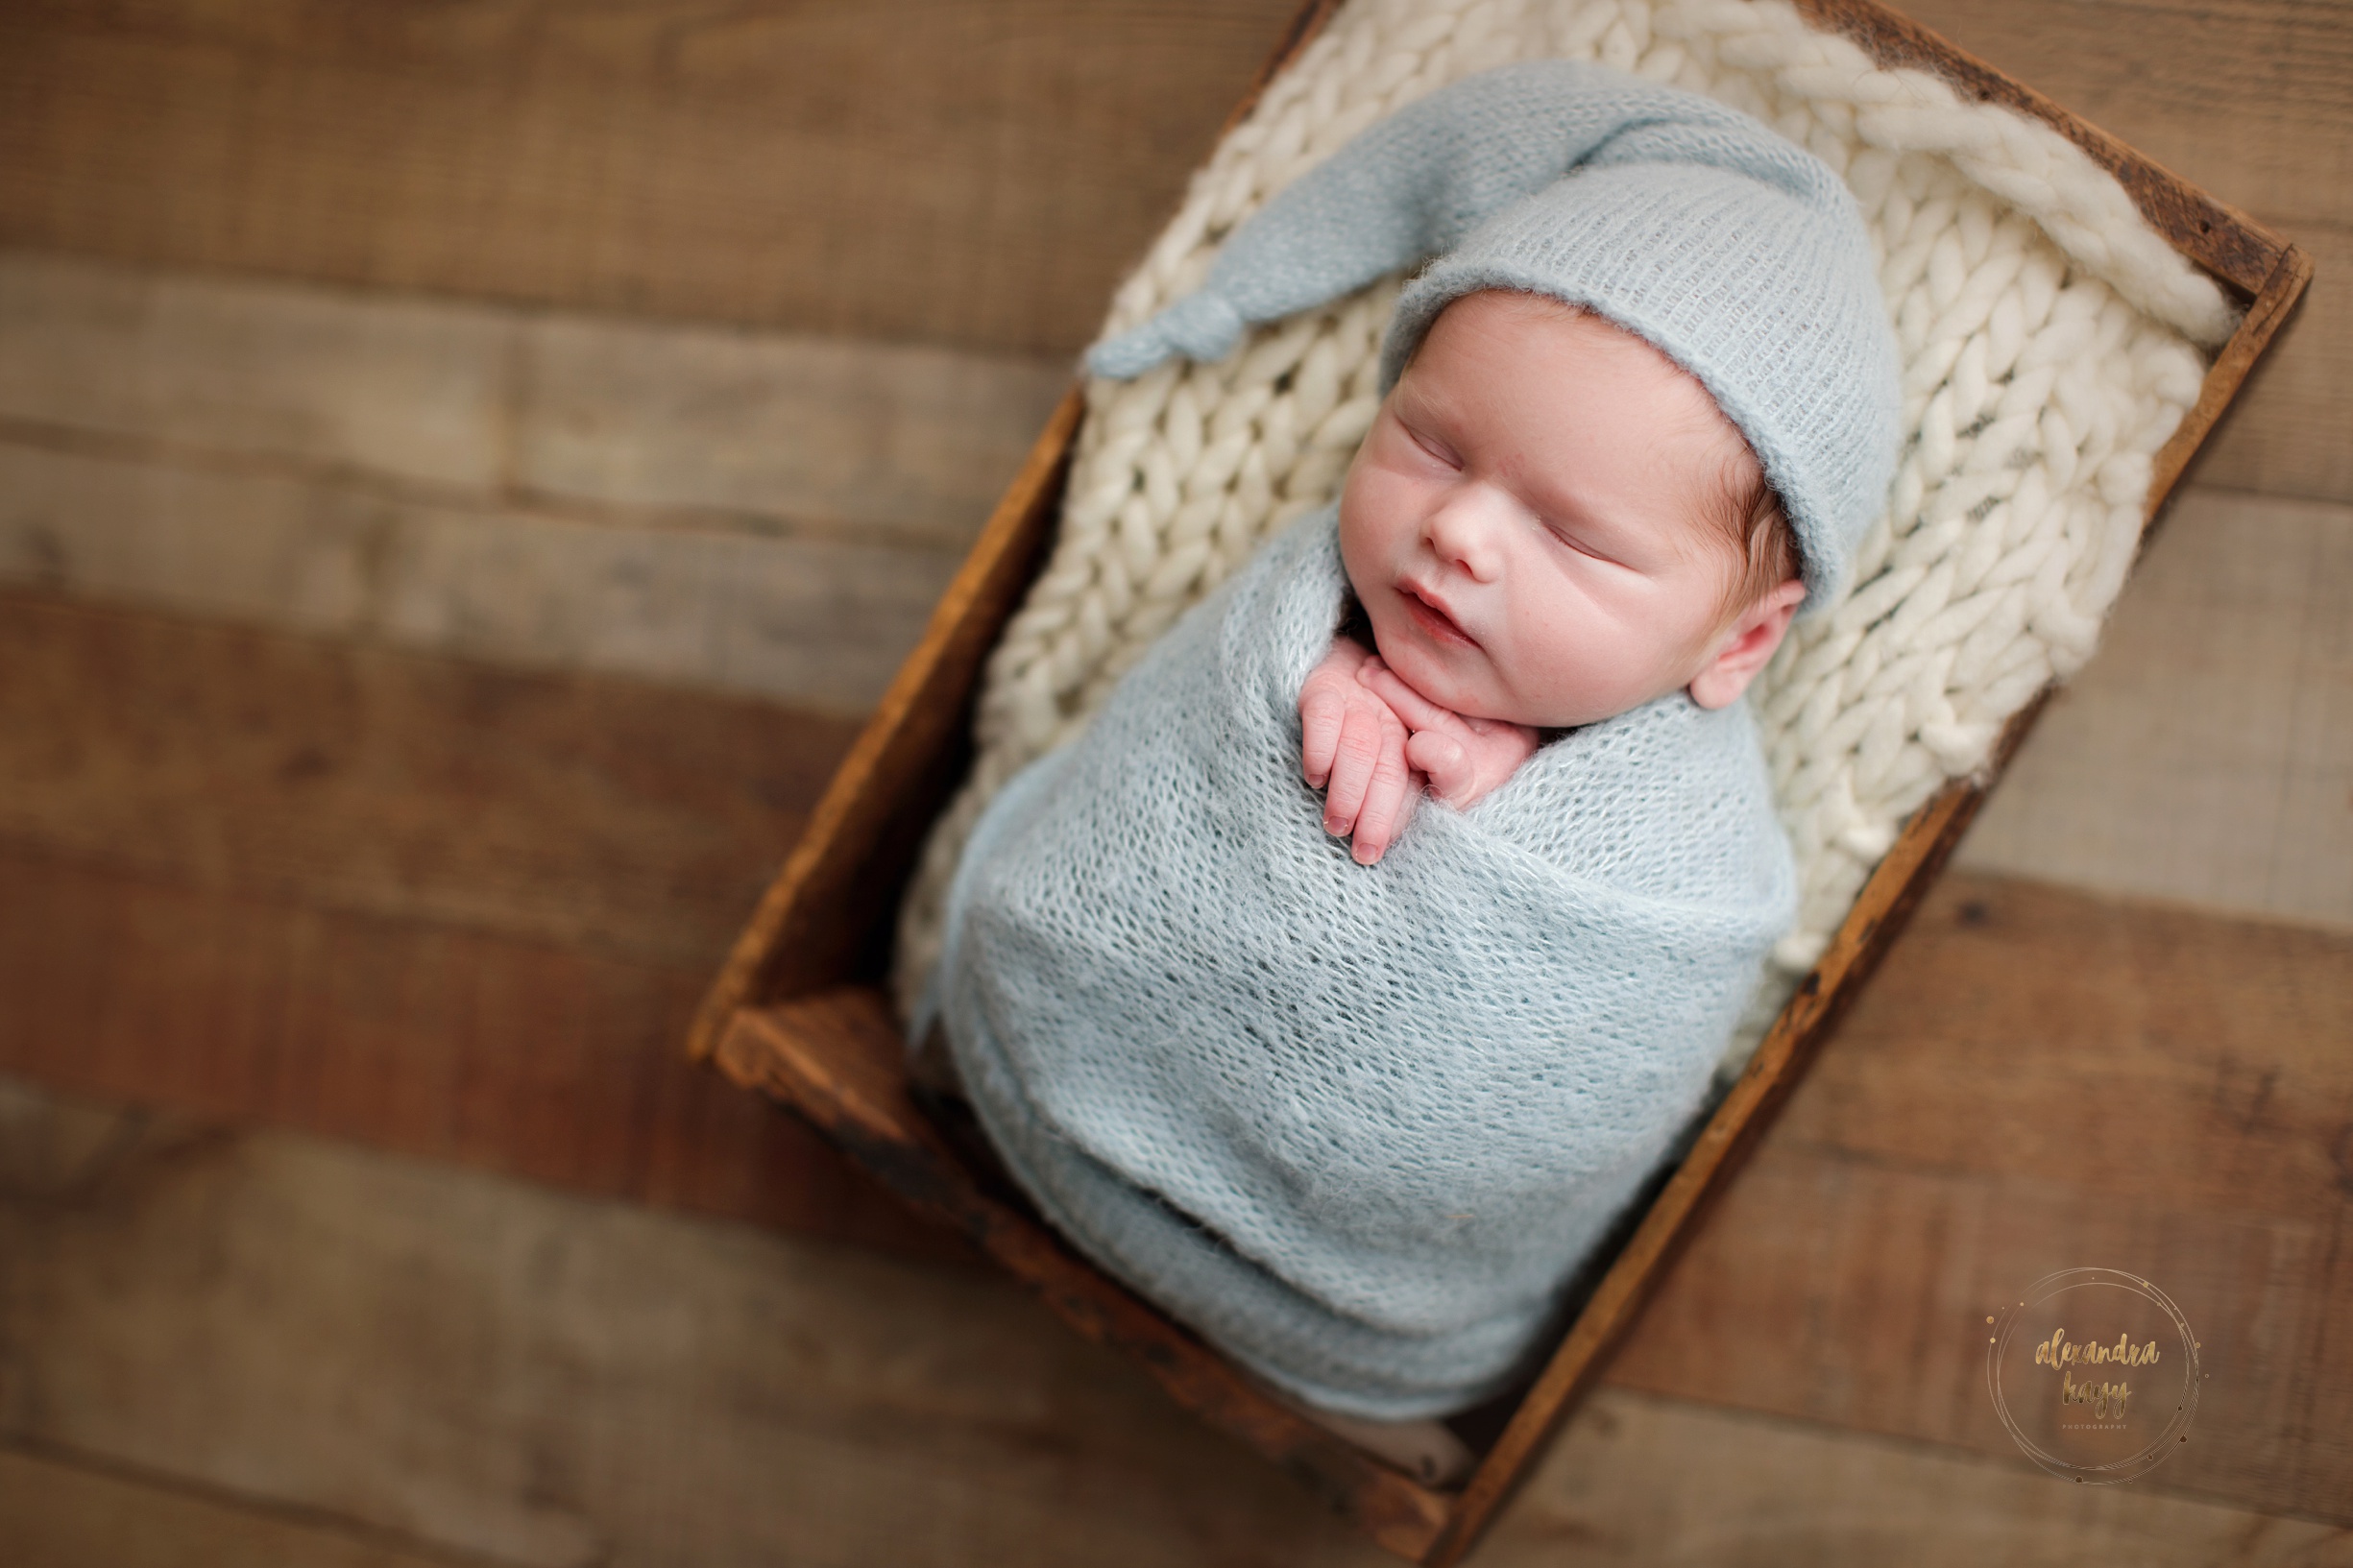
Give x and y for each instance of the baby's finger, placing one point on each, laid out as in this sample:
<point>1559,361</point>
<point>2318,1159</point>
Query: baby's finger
<point>1445,760</point>
<point>1352,767</point>
<point>1322,708</point>
<point>1378,824</point>
<point>1417,710</point>
<point>1382,817</point>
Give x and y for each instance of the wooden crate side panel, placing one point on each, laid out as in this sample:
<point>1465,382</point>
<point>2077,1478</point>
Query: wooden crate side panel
<point>2264,316</point>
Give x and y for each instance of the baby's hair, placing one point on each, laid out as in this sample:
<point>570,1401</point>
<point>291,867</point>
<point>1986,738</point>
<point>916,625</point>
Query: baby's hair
<point>1753,518</point>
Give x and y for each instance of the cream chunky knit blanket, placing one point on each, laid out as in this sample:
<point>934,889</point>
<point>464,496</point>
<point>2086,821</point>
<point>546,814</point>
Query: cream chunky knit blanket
<point>2051,343</point>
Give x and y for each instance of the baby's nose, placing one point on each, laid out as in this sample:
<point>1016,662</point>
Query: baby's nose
<point>1466,531</point>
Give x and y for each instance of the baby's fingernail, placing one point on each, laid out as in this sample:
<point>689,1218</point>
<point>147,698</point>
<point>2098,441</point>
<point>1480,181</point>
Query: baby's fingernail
<point>1335,826</point>
<point>1364,856</point>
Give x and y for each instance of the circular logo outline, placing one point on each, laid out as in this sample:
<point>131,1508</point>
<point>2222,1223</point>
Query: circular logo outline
<point>2177,1430</point>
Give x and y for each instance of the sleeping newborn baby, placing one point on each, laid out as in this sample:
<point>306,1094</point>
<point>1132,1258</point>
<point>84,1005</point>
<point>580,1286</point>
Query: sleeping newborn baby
<point>1550,524</point>
<point>1341,984</point>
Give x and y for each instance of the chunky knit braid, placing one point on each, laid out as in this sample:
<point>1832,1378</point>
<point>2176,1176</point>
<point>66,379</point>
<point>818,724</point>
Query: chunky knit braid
<point>2050,340</point>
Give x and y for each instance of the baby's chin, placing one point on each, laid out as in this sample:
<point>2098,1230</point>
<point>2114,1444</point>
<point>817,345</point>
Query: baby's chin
<point>1451,689</point>
<point>1467,682</point>
<point>1491,701</point>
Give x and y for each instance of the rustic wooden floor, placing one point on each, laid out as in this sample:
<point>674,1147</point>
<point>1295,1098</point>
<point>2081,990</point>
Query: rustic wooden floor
<point>463,470</point>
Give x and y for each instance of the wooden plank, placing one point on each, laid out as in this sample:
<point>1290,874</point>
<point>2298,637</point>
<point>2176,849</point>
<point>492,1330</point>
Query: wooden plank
<point>2287,437</point>
<point>405,397</point>
<point>838,436</point>
<point>508,1373</point>
<point>976,174</point>
<point>756,512</point>
<point>402,387</point>
<point>447,911</point>
<point>817,621</point>
<point>2206,754</point>
<point>2046,1079</point>
<point>57,1514</point>
<point>510,1055</point>
<point>1663,1484</point>
<point>361,1344</point>
<point>587,811</point>
<point>1896,1346</point>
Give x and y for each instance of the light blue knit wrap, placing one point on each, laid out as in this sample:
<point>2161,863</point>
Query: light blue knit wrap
<point>1738,254</point>
<point>1356,1126</point>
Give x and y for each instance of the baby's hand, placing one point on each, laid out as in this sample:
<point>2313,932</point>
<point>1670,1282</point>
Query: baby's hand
<point>1351,741</point>
<point>1463,759</point>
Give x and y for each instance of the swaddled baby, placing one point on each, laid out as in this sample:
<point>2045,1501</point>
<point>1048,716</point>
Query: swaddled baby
<point>1351,1085</point>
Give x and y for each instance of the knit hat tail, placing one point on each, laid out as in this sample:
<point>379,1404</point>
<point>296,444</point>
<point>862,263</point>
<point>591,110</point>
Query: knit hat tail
<point>1739,255</point>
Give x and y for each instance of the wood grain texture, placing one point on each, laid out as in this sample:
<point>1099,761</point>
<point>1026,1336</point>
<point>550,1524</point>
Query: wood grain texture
<point>581,811</point>
<point>59,1514</point>
<point>454,911</point>
<point>487,405</point>
<point>968,174</point>
<point>402,388</point>
<point>2206,753</point>
<point>552,1383</point>
<point>760,512</point>
<point>821,621</point>
<point>2043,1079</point>
<point>977,176</point>
<point>507,1055</point>
<point>2276,76</point>
<point>2288,435</point>
<point>2196,224</point>
<point>1665,1484</point>
<point>495,1373</point>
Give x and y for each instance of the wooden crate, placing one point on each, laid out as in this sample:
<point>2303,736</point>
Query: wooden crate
<point>799,1011</point>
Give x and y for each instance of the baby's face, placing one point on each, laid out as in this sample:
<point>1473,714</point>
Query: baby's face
<point>1529,524</point>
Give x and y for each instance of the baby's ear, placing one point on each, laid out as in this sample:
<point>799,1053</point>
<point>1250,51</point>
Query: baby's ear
<point>1746,646</point>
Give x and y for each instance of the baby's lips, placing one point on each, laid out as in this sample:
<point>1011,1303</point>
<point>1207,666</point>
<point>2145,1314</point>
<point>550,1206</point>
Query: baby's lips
<point>1429,608</point>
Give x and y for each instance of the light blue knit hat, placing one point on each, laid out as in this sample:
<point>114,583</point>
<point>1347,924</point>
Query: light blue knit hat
<point>1738,254</point>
